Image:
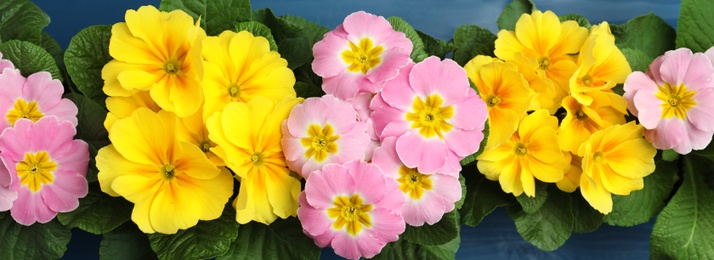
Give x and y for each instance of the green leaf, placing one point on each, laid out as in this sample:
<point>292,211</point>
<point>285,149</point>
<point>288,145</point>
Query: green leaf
<point>670,155</point>
<point>482,197</point>
<point>126,242</point>
<point>582,21</point>
<point>510,14</point>
<point>532,204</point>
<point>460,202</point>
<point>447,229</point>
<point>38,241</point>
<point>685,227</point>
<point>308,84</point>
<point>647,33</point>
<point>549,227</point>
<point>98,213</point>
<point>640,206</point>
<point>283,239</point>
<point>86,55</point>
<point>418,54</point>
<point>29,58</point>
<point>258,29</point>
<point>436,47</point>
<point>207,239</point>
<point>695,27</point>
<point>53,48</point>
<point>294,36</point>
<point>638,60</point>
<point>486,131</point>
<point>403,249</point>
<point>22,20</point>
<point>587,219</point>
<point>216,15</point>
<point>90,129</point>
<point>471,40</point>
<point>311,31</point>
<point>306,90</point>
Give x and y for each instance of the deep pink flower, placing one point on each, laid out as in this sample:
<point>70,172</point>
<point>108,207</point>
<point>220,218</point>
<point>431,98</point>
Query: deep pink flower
<point>321,131</point>
<point>351,207</point>
<point>674,100</point>
<point>48,168</point>
<point>360,55</point>
<point>435,115</point>
<point>428,195</point>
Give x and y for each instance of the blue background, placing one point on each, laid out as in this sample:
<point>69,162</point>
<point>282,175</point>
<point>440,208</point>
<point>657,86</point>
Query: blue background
<point>496,236</point>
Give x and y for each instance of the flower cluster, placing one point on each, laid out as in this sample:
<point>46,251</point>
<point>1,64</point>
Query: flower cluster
<point>43,169</point>
<point>187,113</point>
<point>553,116</point>
<point>383,147</point>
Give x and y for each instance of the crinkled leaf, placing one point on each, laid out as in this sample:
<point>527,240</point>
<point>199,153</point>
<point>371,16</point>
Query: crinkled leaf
<point>53,48</point>
<point>460,202</point>
<point>641,205</point>
<point>582,21</point>
<point>283,239</point>
<point>258,29</point>
<point>22,20</point>
<point>216,15</point>
<point>447,229</point>
<point>418,54</point>
<point>436,47</point>
<point>98,213</point>
<point>587,219</point>
<point>482,197</point>
<point>695,26</point>
<point>294,36</point>
<point>307,82</point>
<point>86,55</point>
<point>471,40</point>
<point>533,204</point>
<point>486,131</point>
<point>29,58</point>
<point>90,129</point>
<point>403,249</point>
<point>307,90</point>
<point>638,60</point>
<point>647,33</point>
<point>38,241</point>
<point>685,227</point>
<point>126,242</point>
<point>550,226</point>
<point>510,14</point>
<point>207,239</point>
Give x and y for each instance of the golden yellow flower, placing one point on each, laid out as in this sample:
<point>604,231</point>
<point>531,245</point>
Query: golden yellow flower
<point>614,162</point>
<point>158,52</point>
<point>193,130</point>
<point>248,137</point>
<point>581,121</point>
<point>240,67</point>
<point>171,183</point>
<point>505,92</point>
<point>601,65</point>
<point>571,180</point>
<point>532,151</point>
<point>541,86</point>
<point>122,107</point>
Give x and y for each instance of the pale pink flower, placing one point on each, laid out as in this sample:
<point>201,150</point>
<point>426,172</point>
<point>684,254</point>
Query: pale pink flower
<point>361,105</point>
<point>428,195</point>
<point>5,64</point>
<point>33,97</point>
<point>360,55</point>
<point>48,168</point>
<point>321,131</point>
<point>435,115</point>
<point>351,207</point>
<point>674,100</point>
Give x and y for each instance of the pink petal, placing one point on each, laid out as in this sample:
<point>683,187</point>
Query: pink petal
<point>427,155</point>
<point>463,142</point>
<point>387,226</point>
<point>315,222</point>
<point>649,108</point>
<point>328,56</point>
<point>29,208</point>
<point>42,88</point>
<point>322,186</point>
<point>392,60</point>
<point>446,78</point>
<point>397,92</point>
<point>369,181</point>
<point>361,104</point>
<point>12,82</point>
<point>5,179</point>
<point>669,132</point>
<point>346,246</point>
<point>74,157</point>
<point>654,69</point>
<point>309,166</point>
<point>61,133</point>
<point>697,138</point>
<point>346,85</point>
<point>699,72</point>
<point>340,114</point>
<point>701,115</point>
<point>452,166</point>
<point>394,200</point>
<point>674,67</point>
<point>311,111</point>
<point>292,147</point>
<point>387,159</point>
<point>384,115</point>
<point>64,110</point>
<point>470,114</point>
<point>429,209</point>
<point>351,145</point>
<point>362,24</point>
<point>14,142</point>
<point>7,197</point>
<point>64,193</point>
<point>634,82</point>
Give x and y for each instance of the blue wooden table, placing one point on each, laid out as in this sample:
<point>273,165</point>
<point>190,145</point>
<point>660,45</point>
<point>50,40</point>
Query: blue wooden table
<point>496,236</point>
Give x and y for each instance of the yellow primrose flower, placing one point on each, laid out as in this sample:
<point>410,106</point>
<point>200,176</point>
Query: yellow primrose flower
<point>541,36</point>
<point>532,151</point>
<point>171,183</point>
<point>541,86</point>
<point>505,92</point>
<point>248,137</point>
<point>601,65</point>
<point>571,180</point>
<point>614,162</point>
<point>240,67</point>
<point>581,121</point>
<point>122,107</point>
<point>193,130</point>
<point>158,52</point>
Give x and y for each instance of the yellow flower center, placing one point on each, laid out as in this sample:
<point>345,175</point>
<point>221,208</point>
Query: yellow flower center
<point>598,157</point>
<point>543,63</point>
<point>351,214</point>
<point>676,100</point>
<point>362,57</point>
<point>320,142</point>
<point>581,115</point>
<point>22,109</point>
<point>520,149</point>
<point>172,67</point>
<point>205,146</point>
<point>257,158</point>
<point>413,183</point>
<point>234,90</point>
<point>430,117</point>
<point>35,170</point>
<point>168,171</point>
<point>492,101</point>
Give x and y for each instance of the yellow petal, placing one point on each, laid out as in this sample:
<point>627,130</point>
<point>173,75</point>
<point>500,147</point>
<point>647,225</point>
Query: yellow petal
<point>595,194</point>
<point>111,165</point>
<point>143,138</point>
